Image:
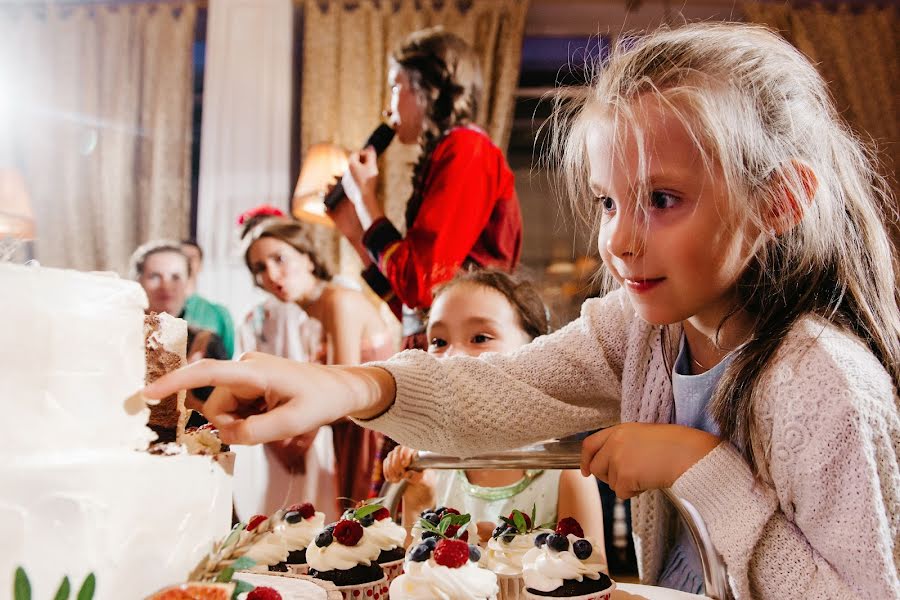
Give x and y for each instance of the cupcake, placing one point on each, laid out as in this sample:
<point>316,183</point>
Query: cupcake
<point>563,564</point>
<point>285,586</point>
<point>434,516</point>
<point>444,568</point>
<point>344,554</point>
<point>298,527</point>
<point>509,543</point>
<point>264,547</point>
<point>384,533</point>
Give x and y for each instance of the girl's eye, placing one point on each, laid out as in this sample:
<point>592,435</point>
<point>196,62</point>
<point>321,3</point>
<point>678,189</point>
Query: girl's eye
<point>481,338</point>
<point>662,200</point>
<point>279,258</point>
<point>438,343</point>
<point>606,203</point>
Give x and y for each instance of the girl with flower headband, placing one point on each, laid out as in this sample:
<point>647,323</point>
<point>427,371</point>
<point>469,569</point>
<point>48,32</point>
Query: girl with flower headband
<point>309,318</point>
<point>748,359</point>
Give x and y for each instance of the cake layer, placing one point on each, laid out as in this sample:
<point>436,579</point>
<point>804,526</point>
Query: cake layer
<point>71,356</point>
<point>139,522</point>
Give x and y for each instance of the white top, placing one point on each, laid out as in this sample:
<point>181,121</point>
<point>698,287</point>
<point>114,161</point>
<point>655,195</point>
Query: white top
<point>823,522</point>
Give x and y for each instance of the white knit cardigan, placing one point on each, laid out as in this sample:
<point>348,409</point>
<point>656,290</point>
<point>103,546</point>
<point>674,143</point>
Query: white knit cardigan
<point>823,521</point>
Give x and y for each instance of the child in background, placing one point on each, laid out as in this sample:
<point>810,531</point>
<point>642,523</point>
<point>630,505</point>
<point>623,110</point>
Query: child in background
<point>750,353</point>
<point>490,311</point>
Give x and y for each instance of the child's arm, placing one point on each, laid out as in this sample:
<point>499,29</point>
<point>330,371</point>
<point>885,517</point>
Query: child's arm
<point>580,498</point>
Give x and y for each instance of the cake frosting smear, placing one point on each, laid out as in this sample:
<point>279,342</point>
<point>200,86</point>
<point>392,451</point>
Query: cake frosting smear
<point>79,493</point>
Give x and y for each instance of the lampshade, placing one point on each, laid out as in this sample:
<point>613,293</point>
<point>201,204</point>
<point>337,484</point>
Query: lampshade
<point>324,164</point>
<point>16,218</point>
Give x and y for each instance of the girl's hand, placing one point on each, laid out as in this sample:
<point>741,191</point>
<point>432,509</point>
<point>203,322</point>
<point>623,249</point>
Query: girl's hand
<point>396,466</point>
<point>363,167</point>
<point>635,457</point>
<point>347,222</point>
<point>263,398</point>
<point>485,529</point>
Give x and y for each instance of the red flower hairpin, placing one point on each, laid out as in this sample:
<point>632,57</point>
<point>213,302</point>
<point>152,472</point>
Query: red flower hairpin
<point>263,210</point>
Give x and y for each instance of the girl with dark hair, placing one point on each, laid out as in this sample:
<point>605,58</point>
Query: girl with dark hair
<point>312,319</point>
<point>463,209</point>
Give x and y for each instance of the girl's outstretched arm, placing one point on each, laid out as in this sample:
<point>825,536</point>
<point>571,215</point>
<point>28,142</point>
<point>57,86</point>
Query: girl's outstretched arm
<point>263,398</point>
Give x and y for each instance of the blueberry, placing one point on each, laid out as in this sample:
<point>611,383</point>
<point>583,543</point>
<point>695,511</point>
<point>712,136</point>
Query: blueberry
<point>498,531</point>
<point>431,542</point>
<point>429,534</point>
<point>474,553</point>
<point>559,543</point>
<point>293,517</point>
<point>582,549</point>
<point>348,514</point>
<point>420,553</point>
<point>324,539</point>
<point>440,509</point>
<point>433,518</point>
<point>367,520</point>
<point>508,537</point>
<point>330,527</point>
<point>541,539</point>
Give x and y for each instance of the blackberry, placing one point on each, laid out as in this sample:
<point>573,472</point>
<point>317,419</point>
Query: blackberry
<point>433,518</point>
<point>498,531</point>
<point>429,534</point>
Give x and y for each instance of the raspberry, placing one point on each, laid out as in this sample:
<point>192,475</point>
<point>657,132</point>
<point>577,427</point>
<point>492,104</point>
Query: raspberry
<point>255,521</point>
<point>527,520</point>
<point>306,509</point>
<point>448,511</point>
<point>451,553</point>
<point>263,593</point>
<point>453,529</point>
<point>382,514</point>
<point>348,532</point>
<point>569,525</point>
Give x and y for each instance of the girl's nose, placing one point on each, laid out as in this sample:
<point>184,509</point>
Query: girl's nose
<point>625,234</point>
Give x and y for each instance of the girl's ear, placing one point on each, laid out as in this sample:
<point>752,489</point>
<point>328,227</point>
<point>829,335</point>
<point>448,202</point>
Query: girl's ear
<point>795,189</point>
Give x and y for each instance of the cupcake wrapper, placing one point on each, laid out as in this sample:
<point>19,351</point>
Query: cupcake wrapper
<point>392,570</point>
<point>298,569</point>
<point>604,595</point>
<point>375,590</point>
<point>512,587</point>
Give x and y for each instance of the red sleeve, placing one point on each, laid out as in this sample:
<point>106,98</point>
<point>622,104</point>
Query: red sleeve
<point>460,193</point>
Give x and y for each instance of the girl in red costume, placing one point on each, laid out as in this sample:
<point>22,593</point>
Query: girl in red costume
<point>463,209</point>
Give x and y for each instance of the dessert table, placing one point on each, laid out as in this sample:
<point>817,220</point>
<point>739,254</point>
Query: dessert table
<point>634,591</point>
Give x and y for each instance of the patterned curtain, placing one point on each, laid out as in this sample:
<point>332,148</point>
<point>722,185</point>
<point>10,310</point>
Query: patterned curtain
<point>345,48</point>
<point>856,51</point>
<point>96,114</point>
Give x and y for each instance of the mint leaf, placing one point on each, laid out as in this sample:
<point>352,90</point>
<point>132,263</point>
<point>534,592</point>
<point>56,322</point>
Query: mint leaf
<point>64,590</point>
<point>461,520</point>
<point>87,588</point>
<point>243,563</point>
<point>508,522</point>
<point>445,524</point>
<point>366,510</point>
<point>533,513</point>
<point>241,587</point>
<point>519,520</point>
<point>22,587</point>
<point>225,575</point>
<point>428,526</point>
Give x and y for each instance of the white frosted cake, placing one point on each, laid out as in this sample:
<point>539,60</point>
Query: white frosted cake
<point>79,493</point>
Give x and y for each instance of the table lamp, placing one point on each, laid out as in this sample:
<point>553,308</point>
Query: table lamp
<point>322,168</point>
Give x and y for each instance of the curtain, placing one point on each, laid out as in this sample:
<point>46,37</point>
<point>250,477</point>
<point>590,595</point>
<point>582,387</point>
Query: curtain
<point>96,115</point>
<point>856,51</point>
<point>345,48</point>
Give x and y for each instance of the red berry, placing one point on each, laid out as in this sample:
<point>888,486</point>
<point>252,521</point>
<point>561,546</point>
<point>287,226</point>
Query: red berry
<point>451,532</point>
<point>255,521</point>
<point>382,514</point>
<point>451,553</point>
<point>206,426</point>
<point>449,511</point>
<point>569,525</point>
<point>306,510</point>
<point>527,520</point>
<point>263,593</point>
<point>348,532</point>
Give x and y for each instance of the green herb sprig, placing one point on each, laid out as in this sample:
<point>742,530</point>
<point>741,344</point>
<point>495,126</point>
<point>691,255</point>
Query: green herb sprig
<point>445,523</point>
<point>22,587</point>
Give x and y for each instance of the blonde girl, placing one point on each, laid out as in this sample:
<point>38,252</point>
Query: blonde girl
<point>741,223</point>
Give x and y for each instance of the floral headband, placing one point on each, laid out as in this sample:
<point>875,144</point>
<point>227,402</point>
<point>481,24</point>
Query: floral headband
<point>263,210</point>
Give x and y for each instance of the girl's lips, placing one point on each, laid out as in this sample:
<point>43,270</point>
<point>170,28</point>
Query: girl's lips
<point>643,285</point>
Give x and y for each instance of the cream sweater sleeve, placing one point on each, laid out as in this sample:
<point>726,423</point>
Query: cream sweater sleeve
<point>827,525</point>
<point>563,383</point>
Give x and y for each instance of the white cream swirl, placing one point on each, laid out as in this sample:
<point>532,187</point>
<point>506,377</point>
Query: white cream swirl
<point>506,559</point>
<point>545,569</point>
<point>298,535</point>
<point>386,534</point>
<point>341,557</point>
<point>428,580</point>
<point>269,550</point>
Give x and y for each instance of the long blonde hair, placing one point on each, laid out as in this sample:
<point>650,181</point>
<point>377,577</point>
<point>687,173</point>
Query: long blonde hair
<point>756,108</point>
